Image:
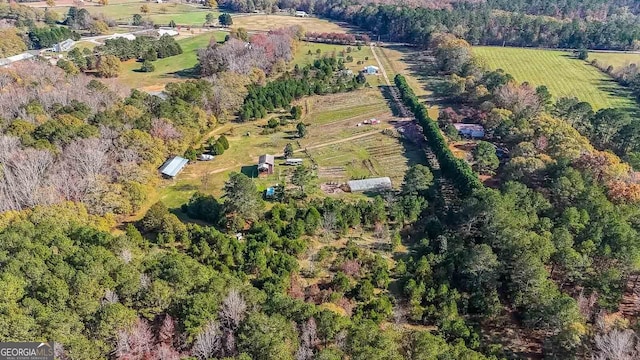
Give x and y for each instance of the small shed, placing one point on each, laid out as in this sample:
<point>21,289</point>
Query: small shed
<point>266,164</point>
<point>62,46</point>
<point>473,131</point>
<point>371,70</point>
<point>373,184</point>
<point>172,167</point>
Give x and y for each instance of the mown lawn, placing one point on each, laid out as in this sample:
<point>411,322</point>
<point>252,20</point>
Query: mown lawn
<point>561,73</point>
<point>168,69</point>
<point>617,60</point>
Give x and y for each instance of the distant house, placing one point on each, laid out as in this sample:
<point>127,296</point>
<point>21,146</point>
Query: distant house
<point>372,185</point>
<point>172,167</point>
<point>266,164</point>
<point>63,46</point>
<point>472,131</point>
<point>371,70</point>
<point>301,14</point>
<point>169,32</point>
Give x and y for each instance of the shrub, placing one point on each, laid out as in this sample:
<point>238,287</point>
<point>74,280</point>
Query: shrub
<point>223,140</point>
<point>273,123</point>
<point>147,66</point>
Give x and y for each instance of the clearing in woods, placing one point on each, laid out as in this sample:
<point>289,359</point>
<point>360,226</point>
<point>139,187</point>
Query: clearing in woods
<point>307,52</point>
<point>341,149</point>
<point>168,69</point>
<point>561,73</point>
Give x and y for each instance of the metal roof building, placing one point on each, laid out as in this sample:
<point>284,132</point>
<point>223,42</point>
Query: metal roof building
<point>65,45</point>
<point>473,131</point>
<point>173,166</point>
<point>373,184</point>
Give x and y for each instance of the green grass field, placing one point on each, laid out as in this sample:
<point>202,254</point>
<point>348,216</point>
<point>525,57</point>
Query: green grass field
<point>617,60</point>
<point>167,68</point>
<point>562,74</point>
<point>160,14</point>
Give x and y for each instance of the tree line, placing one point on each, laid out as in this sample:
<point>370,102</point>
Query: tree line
<point>457,170</point>
<point>481,25</point>
<point>142,47</point>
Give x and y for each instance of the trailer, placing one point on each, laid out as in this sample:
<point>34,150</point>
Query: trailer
<point>294,162</point>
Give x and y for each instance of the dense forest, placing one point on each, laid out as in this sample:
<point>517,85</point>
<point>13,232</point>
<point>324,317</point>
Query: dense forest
<point>561,228</point>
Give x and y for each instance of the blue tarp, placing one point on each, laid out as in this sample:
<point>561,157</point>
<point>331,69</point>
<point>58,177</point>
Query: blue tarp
<point>271,191</point>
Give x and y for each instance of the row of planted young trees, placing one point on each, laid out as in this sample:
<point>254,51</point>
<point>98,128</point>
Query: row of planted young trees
<point>457,170</point>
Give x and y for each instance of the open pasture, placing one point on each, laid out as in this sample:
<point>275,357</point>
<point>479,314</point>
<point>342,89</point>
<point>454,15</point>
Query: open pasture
<point>560,72</point>
<point>341,149</point>
<point>615,59</point>
<point>264,22</point>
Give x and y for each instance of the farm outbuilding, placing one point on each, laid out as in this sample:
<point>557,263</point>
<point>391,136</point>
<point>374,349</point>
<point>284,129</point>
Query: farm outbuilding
<point>266,164</point>
<point>62,46</point>
<point>473,131</point>
<point>373,184</point>
<point>172,167</point>
<point>371,70</point>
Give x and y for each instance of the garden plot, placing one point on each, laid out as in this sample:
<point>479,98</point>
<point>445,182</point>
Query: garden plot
<point>370,156</point>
